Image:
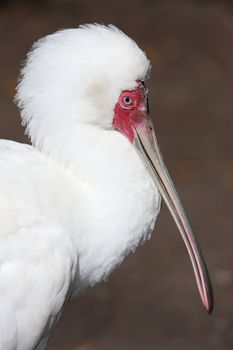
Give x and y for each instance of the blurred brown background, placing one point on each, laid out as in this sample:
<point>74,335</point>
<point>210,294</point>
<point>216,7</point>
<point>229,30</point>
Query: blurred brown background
<point>151,301</point>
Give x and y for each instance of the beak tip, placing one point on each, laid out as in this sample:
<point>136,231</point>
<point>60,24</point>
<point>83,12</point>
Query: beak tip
<point>209,302</point>
<point>210,307</point>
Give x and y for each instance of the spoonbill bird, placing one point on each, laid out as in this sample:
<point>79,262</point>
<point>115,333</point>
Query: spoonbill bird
<point>87,192</point>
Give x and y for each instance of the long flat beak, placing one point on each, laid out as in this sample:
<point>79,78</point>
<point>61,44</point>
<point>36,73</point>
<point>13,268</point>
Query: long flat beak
<point>148,149</point>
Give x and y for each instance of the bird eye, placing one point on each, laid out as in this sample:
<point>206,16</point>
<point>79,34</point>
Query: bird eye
<point>127,100</point>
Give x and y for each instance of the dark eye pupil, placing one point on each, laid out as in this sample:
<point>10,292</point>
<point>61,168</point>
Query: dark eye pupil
<point>127,100</point>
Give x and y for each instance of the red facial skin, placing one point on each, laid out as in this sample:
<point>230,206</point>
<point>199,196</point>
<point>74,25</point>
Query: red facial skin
<point>130,111</point>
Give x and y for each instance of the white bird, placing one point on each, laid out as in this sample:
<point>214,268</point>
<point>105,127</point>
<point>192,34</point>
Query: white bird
<point>86,193</point>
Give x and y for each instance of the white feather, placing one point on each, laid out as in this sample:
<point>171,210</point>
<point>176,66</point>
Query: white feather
<point>76,203</point>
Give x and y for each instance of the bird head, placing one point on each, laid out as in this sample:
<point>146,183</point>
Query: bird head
<point>75,77</point>
<point>96,75</point>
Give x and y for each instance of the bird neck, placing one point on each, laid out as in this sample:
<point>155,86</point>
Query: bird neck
<point>92,154</point>
<point>120,202</point>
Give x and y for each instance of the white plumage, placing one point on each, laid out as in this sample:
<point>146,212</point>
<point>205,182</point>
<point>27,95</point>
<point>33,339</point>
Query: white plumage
<point>74,204</point>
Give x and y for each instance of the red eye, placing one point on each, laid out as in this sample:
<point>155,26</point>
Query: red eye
<point>126,101</point>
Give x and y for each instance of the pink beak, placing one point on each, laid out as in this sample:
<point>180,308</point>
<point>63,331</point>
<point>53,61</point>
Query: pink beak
<point>147,147</point>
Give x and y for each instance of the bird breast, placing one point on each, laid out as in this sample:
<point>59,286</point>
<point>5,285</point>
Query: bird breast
<point>94,186</point>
